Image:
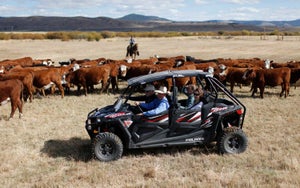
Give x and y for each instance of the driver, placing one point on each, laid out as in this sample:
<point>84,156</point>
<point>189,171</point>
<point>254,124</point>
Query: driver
<point>149,94</point>
<point>158,105</point>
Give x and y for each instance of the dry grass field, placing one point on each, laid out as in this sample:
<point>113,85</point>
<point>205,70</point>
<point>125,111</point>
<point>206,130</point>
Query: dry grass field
<point>49,146</point>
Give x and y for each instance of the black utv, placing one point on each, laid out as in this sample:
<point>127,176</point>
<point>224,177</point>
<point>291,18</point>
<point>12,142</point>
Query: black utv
<point>220,119</point>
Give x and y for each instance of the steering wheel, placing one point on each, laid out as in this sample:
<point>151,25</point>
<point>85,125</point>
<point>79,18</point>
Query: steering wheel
<point>140,108</point>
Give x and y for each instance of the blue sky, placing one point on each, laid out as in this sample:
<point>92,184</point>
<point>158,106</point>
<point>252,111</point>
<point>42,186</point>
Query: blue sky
<point>176,10</point>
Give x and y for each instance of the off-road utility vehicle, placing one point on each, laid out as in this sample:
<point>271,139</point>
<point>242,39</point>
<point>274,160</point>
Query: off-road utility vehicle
<point>220,120</point>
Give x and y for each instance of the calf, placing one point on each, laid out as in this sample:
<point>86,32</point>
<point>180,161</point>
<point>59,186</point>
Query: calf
<point>11,90</point>
<point>271,77</point>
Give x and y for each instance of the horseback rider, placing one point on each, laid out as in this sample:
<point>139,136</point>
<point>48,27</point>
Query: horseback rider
<point>131,41</point>
<point>132,48</point>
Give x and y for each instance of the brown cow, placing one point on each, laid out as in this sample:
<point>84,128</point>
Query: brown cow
<point>271,77</point>
<point>26,78</point>
<point>11,90</point>
<point>295,75</point>
<point>95,62</point>
<point>42,62</point>
<point>42,82</point>
<point>114,73</point>
<point>243,63</point>
<point>149,61</point>
<point>131,70</point>
<point>46,78</point>
<point>181,82</point>
<point>88,77</point>
<point>25,61</point>
<point>290,64</point>
<point>19,68</point>
<point>233,75</point>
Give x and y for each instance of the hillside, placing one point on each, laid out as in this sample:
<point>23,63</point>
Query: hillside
<point>134,22</point>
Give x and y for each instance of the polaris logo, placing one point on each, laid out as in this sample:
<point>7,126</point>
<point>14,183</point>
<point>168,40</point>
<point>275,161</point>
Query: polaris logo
<point>194,139</point>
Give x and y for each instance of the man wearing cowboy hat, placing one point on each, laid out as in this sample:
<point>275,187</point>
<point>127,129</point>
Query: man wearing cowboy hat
<point>149,94</point>
<point>158,105</point>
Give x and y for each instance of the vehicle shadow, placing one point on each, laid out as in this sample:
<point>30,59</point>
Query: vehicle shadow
<point>193,150</point>
<point>79,149</point>
<point>73,149</point>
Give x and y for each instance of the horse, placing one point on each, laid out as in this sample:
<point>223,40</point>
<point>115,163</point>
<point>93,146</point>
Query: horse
<point>132,51</point>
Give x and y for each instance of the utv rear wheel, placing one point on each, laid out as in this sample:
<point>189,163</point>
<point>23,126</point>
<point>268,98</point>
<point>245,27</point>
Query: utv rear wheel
<point>107,147</point>
<point>233,141</point>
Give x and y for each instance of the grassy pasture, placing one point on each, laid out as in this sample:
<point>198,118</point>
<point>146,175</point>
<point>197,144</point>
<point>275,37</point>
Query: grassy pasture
<point>49,147</point>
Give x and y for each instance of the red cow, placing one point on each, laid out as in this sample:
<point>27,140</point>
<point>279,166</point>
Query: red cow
<point>149,61</point>
<point>95,62</point>
<point>26,78</point>
<point>290,64</point>
<point>131,70</point>
<point>42,62</point>
<point>114,72</point>
<point>295,75</point>
<point>233,75</point>
<point>88,77</point>
<point>181,82</point>
<point>243,63</point>
<point>25,61</point>
<point>271,77</point>
<point>19,68</point>
<point>11,90</point>
<point>44,79</point>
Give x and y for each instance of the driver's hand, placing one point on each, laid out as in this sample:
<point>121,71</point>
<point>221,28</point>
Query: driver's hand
<point>139,114</point>
<point>137,103</point>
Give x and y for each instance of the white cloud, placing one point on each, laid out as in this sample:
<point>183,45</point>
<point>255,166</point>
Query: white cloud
<point>248,9</point>
<point>242,1</point>
<point>177,10</point>
<point>199,2</point>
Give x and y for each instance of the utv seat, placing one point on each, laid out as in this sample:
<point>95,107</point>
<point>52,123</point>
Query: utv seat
<point>158,117</point>
<point>206,109</point>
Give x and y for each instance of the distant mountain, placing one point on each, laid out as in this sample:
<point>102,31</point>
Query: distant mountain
<point>42,23</point>
<point>136,22</point>
<point>293,23</point>
<point>142,18</point>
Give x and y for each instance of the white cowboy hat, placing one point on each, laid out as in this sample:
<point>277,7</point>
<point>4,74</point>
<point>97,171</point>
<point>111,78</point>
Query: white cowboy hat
<point>149,88</point>
<point>162,90</point>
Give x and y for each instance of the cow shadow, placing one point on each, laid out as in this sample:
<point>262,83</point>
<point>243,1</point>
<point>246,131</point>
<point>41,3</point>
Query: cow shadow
<point>247,94</point>
<point>4,117</point>
<point>75,148</point>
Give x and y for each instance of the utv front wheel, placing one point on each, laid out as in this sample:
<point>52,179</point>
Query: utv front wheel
<point>233,141</point>
<point>107,147</point>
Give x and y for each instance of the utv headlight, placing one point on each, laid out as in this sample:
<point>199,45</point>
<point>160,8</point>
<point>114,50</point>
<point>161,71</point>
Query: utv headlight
<point>89,127</point>
<point>98,120</point>
<point>89,121</point>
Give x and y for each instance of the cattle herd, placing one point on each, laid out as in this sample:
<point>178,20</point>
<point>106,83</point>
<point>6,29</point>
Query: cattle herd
<point>21,79</point>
